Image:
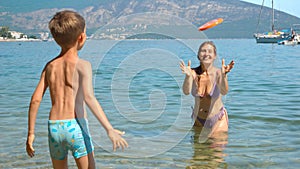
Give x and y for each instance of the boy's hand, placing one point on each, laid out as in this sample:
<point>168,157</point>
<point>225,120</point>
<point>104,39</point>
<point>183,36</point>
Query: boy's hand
<point>186,69</point>
<point>117,140</point>
<point>29,142</point>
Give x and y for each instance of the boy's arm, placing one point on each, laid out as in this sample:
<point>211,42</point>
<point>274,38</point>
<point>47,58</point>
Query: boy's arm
<point>90,98</point>
<point>97,110</point>
<point>32,112</point>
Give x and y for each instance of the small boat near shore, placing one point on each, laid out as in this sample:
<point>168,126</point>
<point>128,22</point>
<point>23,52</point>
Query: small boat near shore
<point>288,42</point>
<point>293,40</point>
<point>44,36</point>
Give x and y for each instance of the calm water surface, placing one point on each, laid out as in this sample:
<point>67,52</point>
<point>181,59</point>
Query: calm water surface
<point>138,85</point>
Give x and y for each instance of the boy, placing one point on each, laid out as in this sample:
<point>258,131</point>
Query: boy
<point>69,79</point>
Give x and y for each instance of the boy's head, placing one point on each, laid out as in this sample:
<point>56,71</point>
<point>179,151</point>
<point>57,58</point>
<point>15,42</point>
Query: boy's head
<point>66,26</point>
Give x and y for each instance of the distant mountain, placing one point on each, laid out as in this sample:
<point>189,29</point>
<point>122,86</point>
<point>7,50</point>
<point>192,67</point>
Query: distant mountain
<point>240,18</point>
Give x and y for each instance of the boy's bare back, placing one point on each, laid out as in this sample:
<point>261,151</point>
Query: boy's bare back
<point>62,75</point>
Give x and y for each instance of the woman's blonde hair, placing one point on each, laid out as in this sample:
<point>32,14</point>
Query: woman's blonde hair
<point>66,26</point>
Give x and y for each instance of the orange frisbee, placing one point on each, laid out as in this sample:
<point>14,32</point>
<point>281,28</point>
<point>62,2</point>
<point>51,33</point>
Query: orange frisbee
<point>210,24</point>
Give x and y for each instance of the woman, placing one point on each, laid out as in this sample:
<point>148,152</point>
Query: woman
<point>207,84</point>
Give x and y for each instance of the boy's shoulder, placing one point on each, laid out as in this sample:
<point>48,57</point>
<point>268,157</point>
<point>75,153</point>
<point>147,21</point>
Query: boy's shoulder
<point>83,65</point>
<point>51,63</point>
<point>82,62</point>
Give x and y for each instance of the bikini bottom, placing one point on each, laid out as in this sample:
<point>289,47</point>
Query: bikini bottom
<point>209,123</point>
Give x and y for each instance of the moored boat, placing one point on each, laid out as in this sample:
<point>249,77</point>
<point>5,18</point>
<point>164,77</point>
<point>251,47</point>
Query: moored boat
<point>272,36</point>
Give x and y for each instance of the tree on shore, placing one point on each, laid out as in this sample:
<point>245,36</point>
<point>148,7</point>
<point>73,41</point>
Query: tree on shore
<point>4,32</point>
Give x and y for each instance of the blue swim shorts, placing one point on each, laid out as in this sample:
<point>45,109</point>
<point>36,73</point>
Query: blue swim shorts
<point>72,134</point>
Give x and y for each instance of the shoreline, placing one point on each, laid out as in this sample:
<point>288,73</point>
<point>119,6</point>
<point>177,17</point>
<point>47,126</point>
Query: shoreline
<point>20,40</point>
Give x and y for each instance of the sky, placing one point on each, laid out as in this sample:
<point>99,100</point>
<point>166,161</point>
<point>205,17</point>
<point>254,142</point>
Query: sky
<point>288,6</point>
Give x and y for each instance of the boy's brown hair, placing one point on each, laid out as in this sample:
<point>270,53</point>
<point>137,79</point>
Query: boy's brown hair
<point>66,26</point>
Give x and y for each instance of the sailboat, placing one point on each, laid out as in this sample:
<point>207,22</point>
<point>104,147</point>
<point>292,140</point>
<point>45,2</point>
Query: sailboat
<point>273,36</point>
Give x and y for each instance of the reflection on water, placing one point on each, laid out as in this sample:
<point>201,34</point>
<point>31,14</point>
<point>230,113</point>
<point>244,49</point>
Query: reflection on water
<point>209,154</point>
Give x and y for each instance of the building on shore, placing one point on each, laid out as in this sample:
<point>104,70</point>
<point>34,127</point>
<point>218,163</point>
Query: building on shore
<point>18,35</point>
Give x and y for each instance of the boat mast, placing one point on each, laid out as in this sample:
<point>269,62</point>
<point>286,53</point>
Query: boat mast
<point>273,16</point>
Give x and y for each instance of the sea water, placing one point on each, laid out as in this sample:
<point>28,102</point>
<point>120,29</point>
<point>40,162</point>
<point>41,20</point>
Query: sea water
<point>138,83</point>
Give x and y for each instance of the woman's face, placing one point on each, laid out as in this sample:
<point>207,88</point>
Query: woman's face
<point>207,54</point>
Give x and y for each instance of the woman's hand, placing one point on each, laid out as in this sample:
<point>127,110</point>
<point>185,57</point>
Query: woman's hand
<point>117,140</point>
<point>227,68</point>
<point>186,69</point>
